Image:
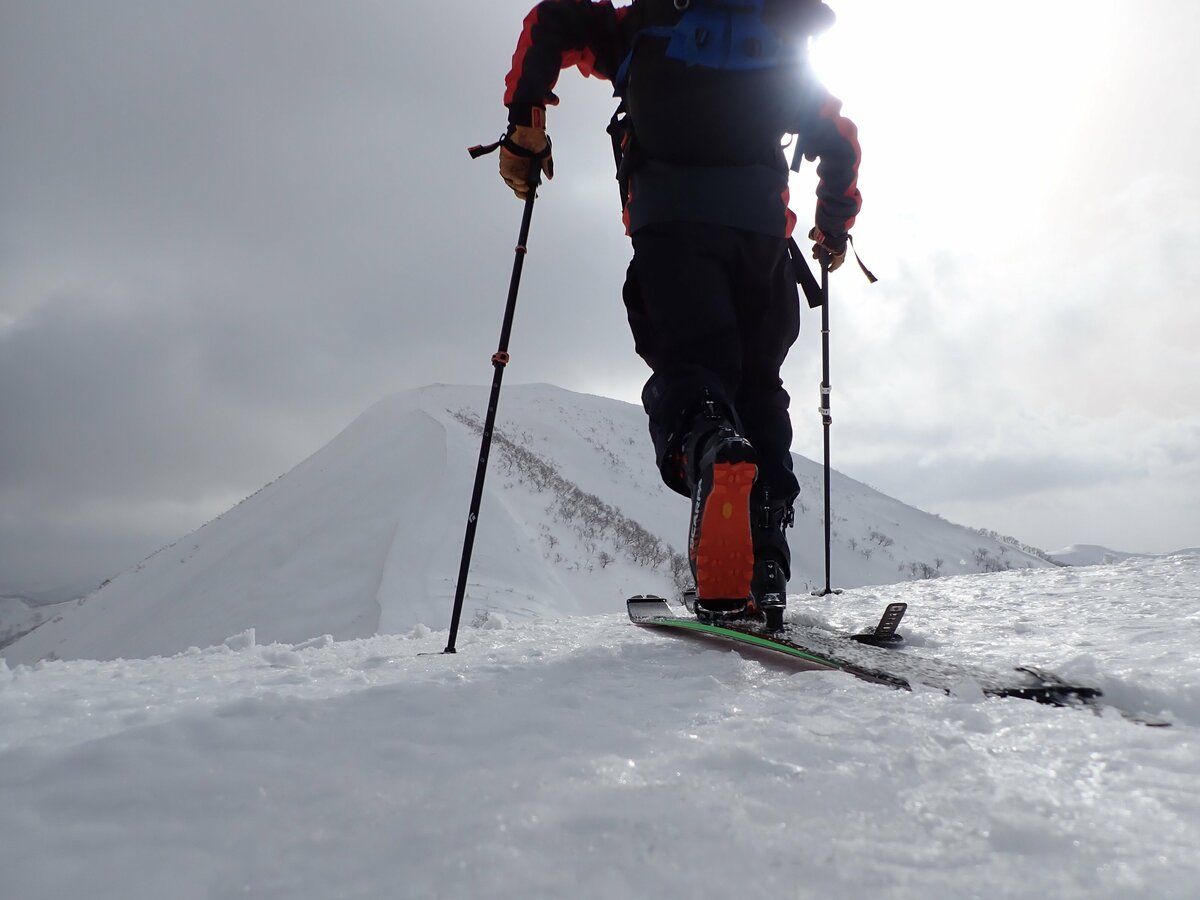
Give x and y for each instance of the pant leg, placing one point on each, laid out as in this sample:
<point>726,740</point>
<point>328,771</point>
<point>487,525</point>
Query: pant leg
<point>769,323</point>
<point>682,306</point>
<point>714,311</point>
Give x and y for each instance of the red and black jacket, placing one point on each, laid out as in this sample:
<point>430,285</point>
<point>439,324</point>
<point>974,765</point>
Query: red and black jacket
<point>705,143</point>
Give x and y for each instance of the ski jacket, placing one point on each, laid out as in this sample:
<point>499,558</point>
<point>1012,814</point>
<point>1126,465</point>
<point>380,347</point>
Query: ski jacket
<point>703,145</point>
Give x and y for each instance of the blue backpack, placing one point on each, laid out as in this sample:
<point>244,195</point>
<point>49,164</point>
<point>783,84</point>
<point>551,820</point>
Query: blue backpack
<point>731,35</point>
<point>722,35</point>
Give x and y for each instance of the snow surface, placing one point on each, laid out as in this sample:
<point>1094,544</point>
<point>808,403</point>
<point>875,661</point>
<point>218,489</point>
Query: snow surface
<point>365,536</point>
<point>586,757</point>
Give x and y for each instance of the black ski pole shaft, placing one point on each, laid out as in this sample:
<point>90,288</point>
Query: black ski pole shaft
<point>499,361</point>
<point>826,417</point>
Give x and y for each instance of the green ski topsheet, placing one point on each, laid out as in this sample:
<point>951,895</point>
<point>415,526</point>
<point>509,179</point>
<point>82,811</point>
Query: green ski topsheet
<point>656,612</point>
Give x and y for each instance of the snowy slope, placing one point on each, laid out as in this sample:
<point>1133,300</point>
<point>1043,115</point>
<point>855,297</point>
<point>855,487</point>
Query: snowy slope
<point>364,537</point>
<point>585,757</point>
<point>18,617</point>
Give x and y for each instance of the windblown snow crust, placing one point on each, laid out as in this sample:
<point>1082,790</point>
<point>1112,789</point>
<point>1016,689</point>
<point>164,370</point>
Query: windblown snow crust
<point>585,757</point>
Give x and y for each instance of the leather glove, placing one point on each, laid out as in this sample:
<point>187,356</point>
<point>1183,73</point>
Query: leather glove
<point>520,146</point>
<point>833,249</point>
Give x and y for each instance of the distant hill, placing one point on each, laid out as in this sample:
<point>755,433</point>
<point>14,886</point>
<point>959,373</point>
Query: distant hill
<point>365,535</point>
<point>1096,555</point>
<point>1092,555</point>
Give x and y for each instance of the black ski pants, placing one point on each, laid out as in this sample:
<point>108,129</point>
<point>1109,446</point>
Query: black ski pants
<point>714,311</point>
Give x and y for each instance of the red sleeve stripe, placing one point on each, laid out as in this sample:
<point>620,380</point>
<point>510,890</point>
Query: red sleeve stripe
<point>585,59</point>
<point>831,110</point>
<point>789,216</point>
<point>582,23</point>
<point>518,64</point>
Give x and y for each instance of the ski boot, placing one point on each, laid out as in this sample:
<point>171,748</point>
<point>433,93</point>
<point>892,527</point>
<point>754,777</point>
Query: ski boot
<point>772,558</point>
<point>721,468</point>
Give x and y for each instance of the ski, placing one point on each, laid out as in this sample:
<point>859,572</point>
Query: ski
<point>870,657</point>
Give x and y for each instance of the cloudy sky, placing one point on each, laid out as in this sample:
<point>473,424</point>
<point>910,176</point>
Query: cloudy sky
<point>228,228</point>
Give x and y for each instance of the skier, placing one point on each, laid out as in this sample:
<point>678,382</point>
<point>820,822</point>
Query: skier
<point>709,88</point>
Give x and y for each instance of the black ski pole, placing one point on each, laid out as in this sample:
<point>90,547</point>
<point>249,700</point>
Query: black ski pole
<point>826,417</point>
<point>499,361</point>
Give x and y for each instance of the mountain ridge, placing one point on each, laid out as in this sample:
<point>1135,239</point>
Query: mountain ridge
<point>364,536</point>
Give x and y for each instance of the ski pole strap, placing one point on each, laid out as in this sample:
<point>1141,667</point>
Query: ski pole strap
<point>511,146</point>
<point>484,149</point>
<point>870,277</point>
<point>806,279</point>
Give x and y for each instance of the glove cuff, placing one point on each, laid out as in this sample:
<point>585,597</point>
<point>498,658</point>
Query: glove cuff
<point>510,143</point>
<point>529,116</point>
<point>835,245</point>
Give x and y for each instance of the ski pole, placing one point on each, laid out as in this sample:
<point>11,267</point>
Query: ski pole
<point>826,417</point>
<point>499,360</point>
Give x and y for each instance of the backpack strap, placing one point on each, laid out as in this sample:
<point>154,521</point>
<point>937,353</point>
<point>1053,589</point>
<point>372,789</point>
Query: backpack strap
<point>622,137</point>
<point>804,276</point>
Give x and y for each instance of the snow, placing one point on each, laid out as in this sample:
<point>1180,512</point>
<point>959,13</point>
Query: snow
<point>263,708</point>
<point>583,756</point>
<point>365,536</point>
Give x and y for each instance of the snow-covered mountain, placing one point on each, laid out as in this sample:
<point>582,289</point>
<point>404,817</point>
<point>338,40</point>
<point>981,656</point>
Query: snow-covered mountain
<point>365,536</point>
<point>17,617</point>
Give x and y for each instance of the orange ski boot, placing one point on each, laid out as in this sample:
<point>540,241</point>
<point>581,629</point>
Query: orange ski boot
<point>720,544</point>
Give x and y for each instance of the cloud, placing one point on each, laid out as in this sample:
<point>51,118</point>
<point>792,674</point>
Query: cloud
<point>225,230</point>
